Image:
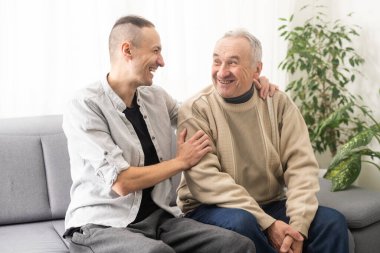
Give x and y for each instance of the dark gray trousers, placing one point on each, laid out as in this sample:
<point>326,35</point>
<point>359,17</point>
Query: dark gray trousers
<point>159,233</point>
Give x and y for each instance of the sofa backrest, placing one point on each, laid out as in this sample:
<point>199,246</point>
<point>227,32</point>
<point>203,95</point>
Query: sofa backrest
<point>35,170</point>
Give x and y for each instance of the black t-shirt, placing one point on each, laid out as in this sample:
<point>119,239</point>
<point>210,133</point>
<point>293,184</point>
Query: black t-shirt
<point>134,115</point>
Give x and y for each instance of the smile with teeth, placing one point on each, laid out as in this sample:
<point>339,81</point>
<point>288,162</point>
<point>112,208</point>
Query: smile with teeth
<point>152,70</point>
<point>225,81</point>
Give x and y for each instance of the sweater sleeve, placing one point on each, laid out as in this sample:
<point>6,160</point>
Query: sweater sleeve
<point>300,169</point>
<point>206,182</point>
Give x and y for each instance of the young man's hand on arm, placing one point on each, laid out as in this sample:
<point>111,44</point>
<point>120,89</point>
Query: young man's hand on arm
<point>264,87</point>
<point>189,153</point>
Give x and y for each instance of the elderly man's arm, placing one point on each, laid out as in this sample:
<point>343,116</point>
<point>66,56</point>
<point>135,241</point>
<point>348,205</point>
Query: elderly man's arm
<point>301,169</point>
<point>209,185</point>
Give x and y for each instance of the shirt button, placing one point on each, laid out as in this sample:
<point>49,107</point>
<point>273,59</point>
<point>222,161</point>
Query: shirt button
<point>105,153</point>
<point>161,159</point>
<point>145,116</point>
<point>153,137</point>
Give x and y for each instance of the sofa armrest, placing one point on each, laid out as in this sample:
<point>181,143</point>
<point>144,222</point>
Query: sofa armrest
<point>360,206</point>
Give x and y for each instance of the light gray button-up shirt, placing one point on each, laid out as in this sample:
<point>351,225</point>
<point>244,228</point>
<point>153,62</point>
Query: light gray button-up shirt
<point>102,143</point>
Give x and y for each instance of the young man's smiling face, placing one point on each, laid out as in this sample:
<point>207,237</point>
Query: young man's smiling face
<point>147,56</point>
<point>233,69</point>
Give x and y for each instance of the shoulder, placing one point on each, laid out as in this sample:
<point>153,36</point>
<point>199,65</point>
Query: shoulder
<point>197,106</point>
<point>281,96</point>
<point>285,107</point>
<point>87,95</point>
<point>200,99</point>
<point>84,109</point>
<point>282,100</point>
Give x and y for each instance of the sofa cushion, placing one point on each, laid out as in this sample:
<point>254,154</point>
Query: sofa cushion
<point>31,126</point>
<point>23,192</point>
<point>367,239</point>
<point>57,167</point>
<point>33,238</point>
<point>59,226</point>
<point>361,212</point>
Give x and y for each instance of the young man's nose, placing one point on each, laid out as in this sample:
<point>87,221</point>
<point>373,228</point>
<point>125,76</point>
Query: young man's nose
<point>160,61</point>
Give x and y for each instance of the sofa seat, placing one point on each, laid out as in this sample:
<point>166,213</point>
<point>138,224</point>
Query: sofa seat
<point>34,237</point>
<point>34,184</point>
<point>361,207</point>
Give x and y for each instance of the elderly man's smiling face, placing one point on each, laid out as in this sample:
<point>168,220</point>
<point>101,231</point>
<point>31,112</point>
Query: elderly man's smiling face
<point>233,69</point>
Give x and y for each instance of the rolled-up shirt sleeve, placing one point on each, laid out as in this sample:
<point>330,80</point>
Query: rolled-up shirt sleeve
<point>90,140</point>
<point>113,163</point>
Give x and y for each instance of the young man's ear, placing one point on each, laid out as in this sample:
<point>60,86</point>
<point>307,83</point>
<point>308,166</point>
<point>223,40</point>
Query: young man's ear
<point>126,49</point>
<point>258,68</point>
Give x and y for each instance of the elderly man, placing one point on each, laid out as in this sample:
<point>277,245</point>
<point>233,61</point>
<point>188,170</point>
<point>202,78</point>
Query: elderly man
<point>261,177</point>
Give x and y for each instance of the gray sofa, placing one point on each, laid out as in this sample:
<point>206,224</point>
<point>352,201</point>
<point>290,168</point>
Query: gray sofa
<point>35,182</point>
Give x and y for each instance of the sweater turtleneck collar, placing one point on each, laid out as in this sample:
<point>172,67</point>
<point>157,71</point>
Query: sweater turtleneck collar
<point>247,103</point>
<point>242,98</point>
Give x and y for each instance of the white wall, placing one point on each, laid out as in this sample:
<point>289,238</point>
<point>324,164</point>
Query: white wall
<point>368,86</point>
<point>50,48</point>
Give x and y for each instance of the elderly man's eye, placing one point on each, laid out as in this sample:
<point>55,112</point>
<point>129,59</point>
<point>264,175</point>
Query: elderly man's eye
<point>216,62</point>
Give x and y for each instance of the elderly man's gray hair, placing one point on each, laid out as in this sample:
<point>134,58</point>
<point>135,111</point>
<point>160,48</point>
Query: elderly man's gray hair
<point>253,41</point>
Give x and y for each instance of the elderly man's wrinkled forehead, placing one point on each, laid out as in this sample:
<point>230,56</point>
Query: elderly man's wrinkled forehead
<point>255,49</point>
<point>233,47</point>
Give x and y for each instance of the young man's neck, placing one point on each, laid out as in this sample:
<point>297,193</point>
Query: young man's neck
<point>122,87</point>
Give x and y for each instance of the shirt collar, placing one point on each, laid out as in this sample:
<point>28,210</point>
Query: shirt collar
<point>115,99</point>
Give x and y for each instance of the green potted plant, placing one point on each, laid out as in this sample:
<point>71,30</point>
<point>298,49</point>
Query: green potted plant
<point>321,63</point>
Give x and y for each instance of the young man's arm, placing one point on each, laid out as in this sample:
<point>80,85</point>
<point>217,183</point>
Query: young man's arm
<point>188,154</point>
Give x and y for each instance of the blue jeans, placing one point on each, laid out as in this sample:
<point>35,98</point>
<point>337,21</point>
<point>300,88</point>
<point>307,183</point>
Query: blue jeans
<point>327,234</point>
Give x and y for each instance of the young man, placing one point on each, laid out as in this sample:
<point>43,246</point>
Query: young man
<point>261,177</point>
<point>120,138</point>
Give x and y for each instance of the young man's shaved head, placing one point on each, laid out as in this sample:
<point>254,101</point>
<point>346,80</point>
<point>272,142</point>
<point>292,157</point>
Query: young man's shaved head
<point>127,28</point>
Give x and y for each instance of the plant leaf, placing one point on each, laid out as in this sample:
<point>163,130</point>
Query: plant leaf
<point>359,140</point>
<point>332,121</point>
<point>345,173</point>
<point>320,51</point>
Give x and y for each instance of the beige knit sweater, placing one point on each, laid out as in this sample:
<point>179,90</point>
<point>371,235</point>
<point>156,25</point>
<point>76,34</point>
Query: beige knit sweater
<point>256,158</point>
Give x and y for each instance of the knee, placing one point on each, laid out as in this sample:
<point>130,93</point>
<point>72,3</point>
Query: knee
<point>161,247</point>
<point>337,219</point>
<point>334,221</point>
<point>241,244</point>
<point>339,223</point>
<point>231,242</point>
<point>242,222</point>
